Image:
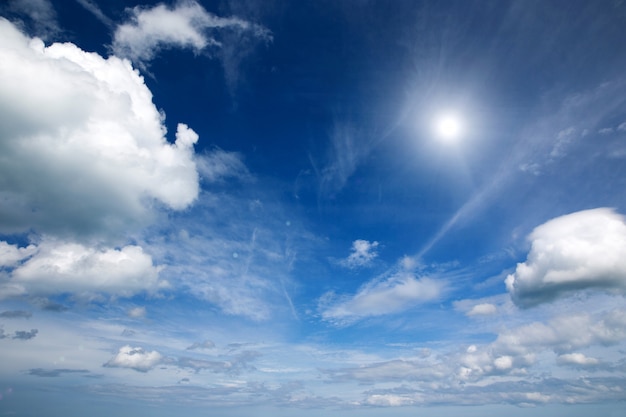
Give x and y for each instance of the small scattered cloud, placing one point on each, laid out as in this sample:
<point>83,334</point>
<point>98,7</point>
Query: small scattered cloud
<point>207,344</point>
<point>577,359</point>
<point>575,252</point>
<point>484,309</point>
<point>25,335</point>
<point>185,25</point>
<point>137,312</point>
<point>395,294</point>
<point>16,314</point>
<point>622,127</point>
<point>363,253</point>
<point>135,358</point>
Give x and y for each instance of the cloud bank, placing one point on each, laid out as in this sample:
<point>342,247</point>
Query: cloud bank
<point>579,251</point>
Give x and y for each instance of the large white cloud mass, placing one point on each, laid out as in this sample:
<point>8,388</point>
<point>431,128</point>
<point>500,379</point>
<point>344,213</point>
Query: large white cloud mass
<point>57,267</point>
<point>82,147</point>
<point>583,250</point>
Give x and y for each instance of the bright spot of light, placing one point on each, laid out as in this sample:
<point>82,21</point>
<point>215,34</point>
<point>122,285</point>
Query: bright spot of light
<point>448,127</point>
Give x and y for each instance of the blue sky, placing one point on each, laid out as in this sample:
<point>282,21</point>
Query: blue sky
<point>285,208</point>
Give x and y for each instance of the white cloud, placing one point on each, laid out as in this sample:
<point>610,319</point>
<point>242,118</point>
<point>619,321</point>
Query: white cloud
<point>622,127</point>
<point>393,295</point>
<point>363,252</point>
<point>484,309</point>
<point>186,25</point>
<point>58,267</point>
<point>137,312</point>
<point>564,333</point>
<point>135,358</point>
<point>12,254</point>
<point>579,251</point>
<point>577,359</point>
<point>84,148</point>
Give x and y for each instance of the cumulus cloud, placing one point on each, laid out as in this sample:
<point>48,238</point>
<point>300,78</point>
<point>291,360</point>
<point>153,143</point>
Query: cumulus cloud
<point>577,359</point>
<point>363,252</point>
<point>579,251</point>
<point>59,267</point>
<point>84,150</point>
<point>398,293</point>
<point>135,358</point>
<point>484,309</point>
<point>186,25</point>
<point>12,254</point>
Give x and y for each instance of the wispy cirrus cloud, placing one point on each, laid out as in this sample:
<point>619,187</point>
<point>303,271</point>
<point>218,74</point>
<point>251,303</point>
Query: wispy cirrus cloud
<point>399,292</point>
<point>40,15</point>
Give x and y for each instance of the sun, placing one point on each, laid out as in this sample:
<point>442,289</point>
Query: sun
<point>448,127</point>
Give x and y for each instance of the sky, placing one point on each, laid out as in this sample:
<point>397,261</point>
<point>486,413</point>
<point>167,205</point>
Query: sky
<point>357,207</point>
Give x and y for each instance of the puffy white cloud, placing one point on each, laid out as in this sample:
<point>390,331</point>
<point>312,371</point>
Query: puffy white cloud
<point>58,267</point>
<point>395,294</point>
<point>484,309</point>
<point>583,250</point>
<point>577,359</point>
<point>83,147</point>
<point>363,252</point>
<point>12,254</point>
<point>186,25</point>
<point>135,358</point>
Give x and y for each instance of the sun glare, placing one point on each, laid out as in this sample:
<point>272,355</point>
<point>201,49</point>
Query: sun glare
<point>448,127</point>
